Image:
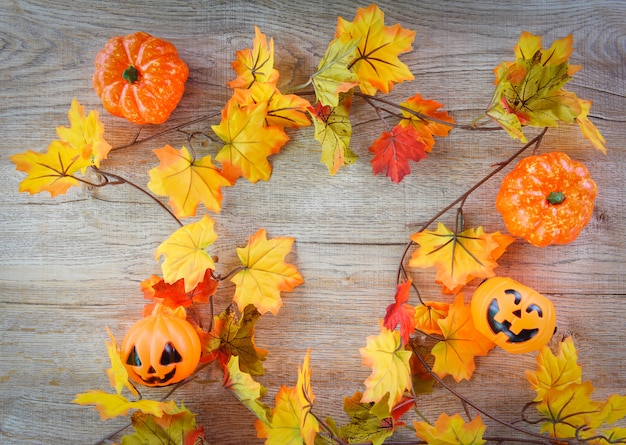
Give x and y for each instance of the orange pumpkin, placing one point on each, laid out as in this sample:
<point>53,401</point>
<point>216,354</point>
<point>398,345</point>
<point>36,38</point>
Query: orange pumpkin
<point>140,78</point>
<point>547,199</point>
<point>161,349</point>
<point>513,316</point>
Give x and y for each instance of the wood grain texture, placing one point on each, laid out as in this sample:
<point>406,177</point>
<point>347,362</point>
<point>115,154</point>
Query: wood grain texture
<point>71,265</point>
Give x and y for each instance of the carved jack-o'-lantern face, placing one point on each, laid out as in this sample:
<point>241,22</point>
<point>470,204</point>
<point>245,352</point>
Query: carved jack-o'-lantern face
<point>513,316</point>
<point>161,349</point>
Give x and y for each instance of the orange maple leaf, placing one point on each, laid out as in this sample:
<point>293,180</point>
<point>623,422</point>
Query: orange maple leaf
<point>462,342</point>
<point>458,257</point>
<point>391,371</point>
<point>185,253</point>
<point>401,313</point>
<point>256,64</point>
<point>265,273</point>
<point>248,141</point>
<point>451,431</point>
<point>393,151</point>
<point>376,64</point>
<point>187,181</point>
<point>426,128</point>
<point>427,316</point>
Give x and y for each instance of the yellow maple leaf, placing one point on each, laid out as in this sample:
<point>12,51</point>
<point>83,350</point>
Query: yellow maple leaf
<point>185,254</point>
<point>391,371</point>
<point>248,141</point>
<point>309,426</point>
<point>426,128</point>
<point>333,131</point>
<point>118,375</point>
<point>565,410</point>
<point>284,426</point>
<point>376,63</point>
<point>451,431</point>
<point>333,76</point>
<point>555,371</point>
<point>462,342</point>
<point>86,133</point>
<point>53,171</point>
<point>256,64</point>
<point>265,273</point>
<point>291,420</point>
<point>187,181</point>
<point>560,51</point>
<point>245,389</point>
<point>283,110</point>
<point>458,257</point>
<point>590,131</point>
<point>113,405</point>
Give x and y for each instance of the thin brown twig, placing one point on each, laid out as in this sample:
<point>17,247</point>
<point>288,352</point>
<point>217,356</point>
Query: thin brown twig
<point>121,180</point>
<point>136,139</point>
<point>461,199</point>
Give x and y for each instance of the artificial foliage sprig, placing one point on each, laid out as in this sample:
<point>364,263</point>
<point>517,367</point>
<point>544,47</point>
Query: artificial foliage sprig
<point>418,345</point>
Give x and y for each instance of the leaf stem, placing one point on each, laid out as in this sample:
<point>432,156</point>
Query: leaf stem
<point>425,117</point>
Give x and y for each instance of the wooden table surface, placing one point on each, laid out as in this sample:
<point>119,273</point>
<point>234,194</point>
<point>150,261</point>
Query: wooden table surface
<point>73,264</point>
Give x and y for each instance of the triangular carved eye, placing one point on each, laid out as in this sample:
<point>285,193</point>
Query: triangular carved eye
<point>170,355</point>
<point>133,359</point>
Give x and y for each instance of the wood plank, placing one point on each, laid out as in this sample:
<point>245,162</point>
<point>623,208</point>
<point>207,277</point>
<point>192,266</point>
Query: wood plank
<point>71,265</point>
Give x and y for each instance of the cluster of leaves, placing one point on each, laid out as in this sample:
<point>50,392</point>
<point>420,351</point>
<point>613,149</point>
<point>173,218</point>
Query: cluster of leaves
<point>363,55</point>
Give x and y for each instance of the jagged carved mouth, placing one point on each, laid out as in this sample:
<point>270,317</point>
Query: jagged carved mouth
<point>156,380</point>
<point>505,326</point>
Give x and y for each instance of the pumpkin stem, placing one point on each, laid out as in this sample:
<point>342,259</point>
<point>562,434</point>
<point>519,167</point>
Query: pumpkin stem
<point>556,197</point>
<point>130,74</point>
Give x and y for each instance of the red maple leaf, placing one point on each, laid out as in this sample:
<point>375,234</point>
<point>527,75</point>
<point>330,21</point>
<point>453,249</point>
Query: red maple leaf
<point>174,295</point>
<point>393,151</point>
<point>401,313</point>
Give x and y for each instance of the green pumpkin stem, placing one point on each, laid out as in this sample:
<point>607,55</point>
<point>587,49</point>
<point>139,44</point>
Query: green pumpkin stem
<point>130,74</point>
<point>556,197</point>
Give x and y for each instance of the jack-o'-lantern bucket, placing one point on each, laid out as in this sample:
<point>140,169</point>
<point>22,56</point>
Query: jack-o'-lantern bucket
<point>513,316</point>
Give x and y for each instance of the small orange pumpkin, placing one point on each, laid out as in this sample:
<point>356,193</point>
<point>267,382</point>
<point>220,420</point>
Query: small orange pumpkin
<point>513,316</point>
<point>547,199</point>
<point>140,78</point>
<point>161,349</point>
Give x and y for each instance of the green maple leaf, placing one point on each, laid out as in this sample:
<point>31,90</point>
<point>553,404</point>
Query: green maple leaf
<point>333,76</point>
<point>368,422</point>
<point>245,389</point>
<point>333,130</point>
<point>530,93</point>
<point>176,427</point>
<point>237,338</point>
